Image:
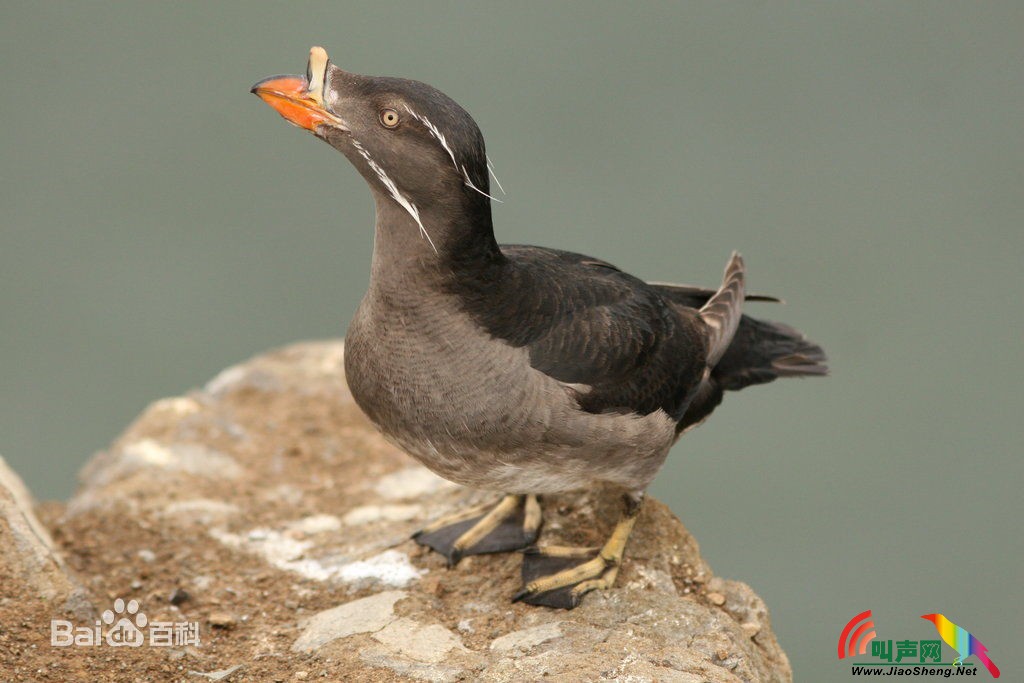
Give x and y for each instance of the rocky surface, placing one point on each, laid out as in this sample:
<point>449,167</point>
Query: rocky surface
<point>264,509</point>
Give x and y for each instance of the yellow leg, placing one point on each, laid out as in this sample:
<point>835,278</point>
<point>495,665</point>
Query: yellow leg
<point>532,516</point>
<point>565,588</point>
<point>455,518</point>
<point>490,522</point>
<point>569,551</point>
<point>512,524</point>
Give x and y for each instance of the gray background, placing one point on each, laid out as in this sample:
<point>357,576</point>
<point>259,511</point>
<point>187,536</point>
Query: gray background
<point>159,223</point>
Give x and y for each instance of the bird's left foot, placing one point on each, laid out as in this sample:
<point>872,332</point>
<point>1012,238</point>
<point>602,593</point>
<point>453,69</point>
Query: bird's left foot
<point>559,576</point>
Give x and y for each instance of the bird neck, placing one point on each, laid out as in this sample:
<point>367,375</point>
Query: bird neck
<point>461,241</point>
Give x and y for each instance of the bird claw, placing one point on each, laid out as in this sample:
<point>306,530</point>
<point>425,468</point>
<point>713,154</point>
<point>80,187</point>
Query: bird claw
<point>560,579</point>
<point>559,576</point>
<point>512,524</point>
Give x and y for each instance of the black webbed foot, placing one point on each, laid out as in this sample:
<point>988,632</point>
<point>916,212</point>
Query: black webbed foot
<point>553,566</point>
<point>513,524</point>
<point>559,576</point>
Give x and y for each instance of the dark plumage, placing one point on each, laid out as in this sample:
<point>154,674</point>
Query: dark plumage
<point>516,368</point>
<point>585,322</point>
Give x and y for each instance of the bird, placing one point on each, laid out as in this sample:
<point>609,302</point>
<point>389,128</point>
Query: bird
<point>962,641</point>
<point>517,369</point>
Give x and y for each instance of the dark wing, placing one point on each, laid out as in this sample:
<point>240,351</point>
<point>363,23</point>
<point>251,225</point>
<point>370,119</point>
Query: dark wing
<point>617,343</point>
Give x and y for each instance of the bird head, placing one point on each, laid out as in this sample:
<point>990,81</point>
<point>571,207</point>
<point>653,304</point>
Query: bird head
<point>412,143</point>
<point>931,617</point>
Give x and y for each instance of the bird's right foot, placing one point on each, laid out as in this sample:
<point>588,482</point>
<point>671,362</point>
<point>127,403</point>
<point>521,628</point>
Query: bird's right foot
<point>559,576</point>
<point>513,524</point>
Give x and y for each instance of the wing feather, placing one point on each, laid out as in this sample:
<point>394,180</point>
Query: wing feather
<point>723,310</point>
<point>614,340</point>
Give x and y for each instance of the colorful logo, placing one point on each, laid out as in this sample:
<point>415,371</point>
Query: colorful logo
<point>911,657</point>
<point>962,641</point>
<point>855,637</point>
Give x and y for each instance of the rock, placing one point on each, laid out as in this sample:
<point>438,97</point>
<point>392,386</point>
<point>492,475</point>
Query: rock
<point>366,615</point>
<point>422,642</point>
<point>390,568</point>
<point>149,454</point>
<point>527,639</point>
<point>411,482</point>
<point>368,514</point>
<point>221,675</point>
<point>377,659</point>
<point>221,620</point>
<point>288,517</point>
<point>30,564</point>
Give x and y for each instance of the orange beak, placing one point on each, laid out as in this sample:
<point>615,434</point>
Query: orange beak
<point>298,100</point>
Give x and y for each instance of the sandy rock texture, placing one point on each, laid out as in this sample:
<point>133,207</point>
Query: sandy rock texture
<point>264,509</point>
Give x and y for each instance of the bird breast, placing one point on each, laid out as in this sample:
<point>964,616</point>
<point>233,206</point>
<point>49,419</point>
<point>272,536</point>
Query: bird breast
<point>472,408</point>
<point>424,373</point>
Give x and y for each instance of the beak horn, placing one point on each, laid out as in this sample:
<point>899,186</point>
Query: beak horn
<point>316,72</point>
<point>300,100</point>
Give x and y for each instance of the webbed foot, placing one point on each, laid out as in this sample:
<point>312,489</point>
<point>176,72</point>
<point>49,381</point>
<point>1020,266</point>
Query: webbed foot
<point>559,576</point>
<point>513,524</point>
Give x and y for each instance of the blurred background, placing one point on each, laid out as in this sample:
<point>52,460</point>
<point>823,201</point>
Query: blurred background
<point>160,223</point>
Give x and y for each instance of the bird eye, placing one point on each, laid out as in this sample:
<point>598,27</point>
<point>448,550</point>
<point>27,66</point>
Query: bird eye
<point>388,118</point>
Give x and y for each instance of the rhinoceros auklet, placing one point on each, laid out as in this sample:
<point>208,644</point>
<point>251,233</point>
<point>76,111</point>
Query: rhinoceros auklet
<point>516,369</point>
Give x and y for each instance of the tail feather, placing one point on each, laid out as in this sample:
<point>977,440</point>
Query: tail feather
<point>742,351</point>
<point>757,352</point>
<point>763,351</point>
<point>799,365</point>
<point>693,296</point>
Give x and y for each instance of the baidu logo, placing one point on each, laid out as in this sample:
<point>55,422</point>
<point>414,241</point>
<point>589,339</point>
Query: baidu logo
<point>124,626</point>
